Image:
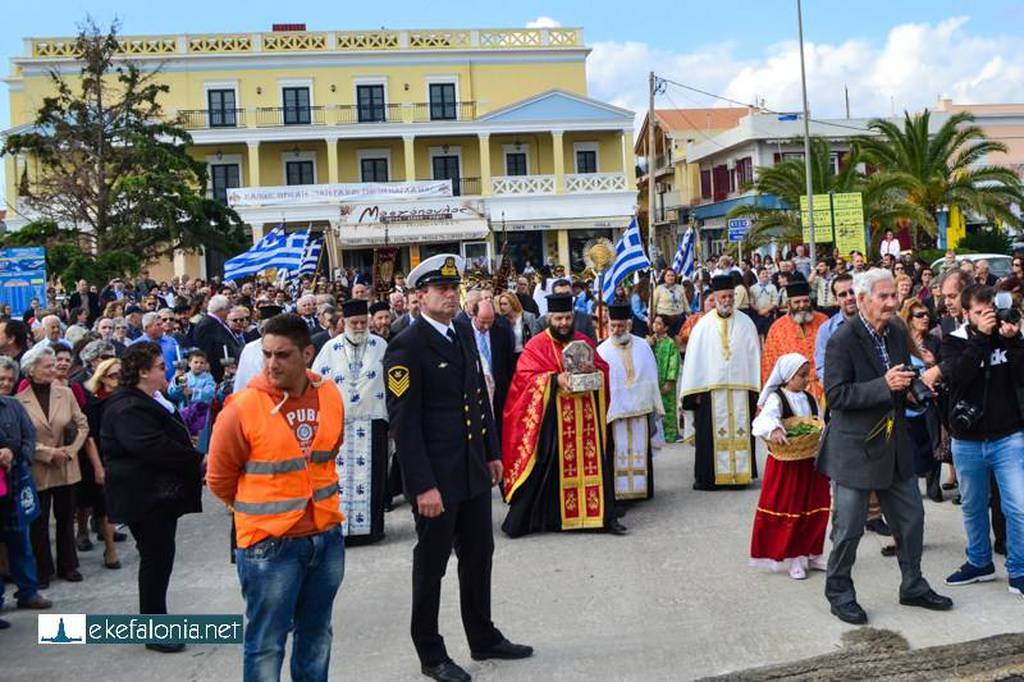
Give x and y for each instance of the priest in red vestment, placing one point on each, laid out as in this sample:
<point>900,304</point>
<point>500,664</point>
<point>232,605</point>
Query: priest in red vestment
<point>794,332</point>
<point>558,474</point>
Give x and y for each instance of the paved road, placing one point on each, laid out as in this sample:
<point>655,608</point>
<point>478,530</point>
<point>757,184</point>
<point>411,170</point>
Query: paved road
<point>673,600</point>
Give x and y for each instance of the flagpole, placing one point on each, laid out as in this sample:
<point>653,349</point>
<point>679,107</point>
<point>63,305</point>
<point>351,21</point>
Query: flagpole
<point>652,84</point>
<point>807,134</point>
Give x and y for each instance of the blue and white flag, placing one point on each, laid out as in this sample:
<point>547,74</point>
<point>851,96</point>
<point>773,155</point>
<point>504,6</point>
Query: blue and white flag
<point>277,249</point>
<point>629,257</point>
<point>683,262</point>
<point>312,256</point>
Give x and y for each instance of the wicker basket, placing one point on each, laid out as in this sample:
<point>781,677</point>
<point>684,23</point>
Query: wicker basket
<point>799,447</point>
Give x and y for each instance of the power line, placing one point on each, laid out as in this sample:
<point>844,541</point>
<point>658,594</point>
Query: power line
<point>755,106</point>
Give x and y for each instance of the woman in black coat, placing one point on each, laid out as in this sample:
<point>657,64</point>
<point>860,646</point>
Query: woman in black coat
<point>153,472</point>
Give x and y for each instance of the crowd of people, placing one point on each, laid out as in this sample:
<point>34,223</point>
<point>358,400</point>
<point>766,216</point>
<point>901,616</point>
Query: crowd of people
<point>118,403</point>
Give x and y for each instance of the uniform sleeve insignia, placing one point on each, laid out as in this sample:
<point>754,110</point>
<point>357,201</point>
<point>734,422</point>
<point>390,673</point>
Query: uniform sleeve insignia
<point>398,380</point>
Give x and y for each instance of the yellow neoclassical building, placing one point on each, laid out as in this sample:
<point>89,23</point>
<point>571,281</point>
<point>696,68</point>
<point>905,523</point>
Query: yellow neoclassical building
<point>503,114</point>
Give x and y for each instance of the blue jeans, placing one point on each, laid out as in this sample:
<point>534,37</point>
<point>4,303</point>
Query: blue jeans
<point>974,460</point>
<point>289,584</point>
<point>22,564</point>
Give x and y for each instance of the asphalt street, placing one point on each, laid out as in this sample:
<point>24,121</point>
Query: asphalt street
<point>673,600</point>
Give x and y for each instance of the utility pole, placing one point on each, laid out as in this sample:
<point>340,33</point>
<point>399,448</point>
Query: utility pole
<point>807,134</point>
<point>846,94</point>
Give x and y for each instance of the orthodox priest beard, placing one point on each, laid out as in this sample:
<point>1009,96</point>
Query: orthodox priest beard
<point>802,316</point>
<point>622,339</point>
<point>724,309</point>
<point>357,338</point>
<point>563,338</point>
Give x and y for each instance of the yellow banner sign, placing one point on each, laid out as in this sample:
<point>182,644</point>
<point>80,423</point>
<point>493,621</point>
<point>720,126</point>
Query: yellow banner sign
<point>838,219</point>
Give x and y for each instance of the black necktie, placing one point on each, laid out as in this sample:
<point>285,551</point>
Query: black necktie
<point>453,337</point>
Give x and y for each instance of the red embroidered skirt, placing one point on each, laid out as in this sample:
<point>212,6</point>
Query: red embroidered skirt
<point>792,513</point>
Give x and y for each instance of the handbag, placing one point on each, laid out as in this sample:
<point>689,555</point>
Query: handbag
<point>69,433</point>
<point>23,487</point>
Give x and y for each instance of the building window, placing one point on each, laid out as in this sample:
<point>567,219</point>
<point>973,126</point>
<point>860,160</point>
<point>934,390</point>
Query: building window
<point>224,176</point>
<point>446,167</point>
<point>370,103</point>
<point>373,170</point>
<point>586,161</point>
<point>296,106</point>
<point>744,171</point>
<point>515,163</point>
<point>443,106</point>
<point>223,108</point>
<point>721,182</point>
<point>705,184</point>
<point>299,173</point>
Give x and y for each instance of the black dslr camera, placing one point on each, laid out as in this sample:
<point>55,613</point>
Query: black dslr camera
<point>922,394</point>
<point>965,415</point>
<point>1005,310</point>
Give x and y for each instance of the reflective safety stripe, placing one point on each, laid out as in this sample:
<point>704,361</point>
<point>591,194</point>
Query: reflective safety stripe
<point>265,508</point>
<point>321,456</point>
<point>325,492</point>
<point>280,466</point>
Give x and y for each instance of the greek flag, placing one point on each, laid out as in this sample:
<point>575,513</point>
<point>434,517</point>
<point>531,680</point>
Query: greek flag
<point>629,257</point>
<point>312,256</point>
<point>277,249</point>
<point>683,262</point>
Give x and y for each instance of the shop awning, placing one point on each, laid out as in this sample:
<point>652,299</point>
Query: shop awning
<point>363,236</point>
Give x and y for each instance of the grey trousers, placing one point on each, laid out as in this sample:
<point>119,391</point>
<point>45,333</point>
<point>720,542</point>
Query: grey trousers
<point>901,504</point>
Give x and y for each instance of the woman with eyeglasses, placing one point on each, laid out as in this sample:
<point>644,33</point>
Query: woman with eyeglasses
<point>923,421</point>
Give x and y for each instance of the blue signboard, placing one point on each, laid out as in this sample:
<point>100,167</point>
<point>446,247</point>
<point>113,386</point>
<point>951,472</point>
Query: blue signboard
<point>738,229</point>
<point>22,277</point>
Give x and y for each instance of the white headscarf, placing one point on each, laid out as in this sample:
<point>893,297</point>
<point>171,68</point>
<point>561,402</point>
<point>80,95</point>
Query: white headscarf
<point>784,370</point>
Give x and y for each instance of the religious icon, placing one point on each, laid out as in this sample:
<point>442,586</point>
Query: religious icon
<point>578,360</point>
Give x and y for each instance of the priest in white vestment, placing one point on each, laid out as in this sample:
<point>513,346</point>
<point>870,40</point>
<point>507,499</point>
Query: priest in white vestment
<point>354,360</point>
<point>718,389</point>
<point>635,409</point>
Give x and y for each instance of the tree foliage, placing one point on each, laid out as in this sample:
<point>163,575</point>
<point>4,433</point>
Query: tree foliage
<point>112,170</point>
<point>944,168</point>
<point>884,202</point>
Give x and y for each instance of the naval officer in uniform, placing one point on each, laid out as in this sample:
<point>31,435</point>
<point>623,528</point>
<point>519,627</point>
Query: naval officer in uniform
<point>444,435</point>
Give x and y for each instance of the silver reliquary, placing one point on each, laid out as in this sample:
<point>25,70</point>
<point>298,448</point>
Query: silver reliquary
<point>578,360</point>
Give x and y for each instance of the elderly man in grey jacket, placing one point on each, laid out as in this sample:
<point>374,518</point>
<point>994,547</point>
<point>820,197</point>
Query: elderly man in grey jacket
<point>867,447</point>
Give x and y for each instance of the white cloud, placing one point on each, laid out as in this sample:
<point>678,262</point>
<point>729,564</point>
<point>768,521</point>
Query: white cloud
<point>916,64</point>
<point>543,22</point>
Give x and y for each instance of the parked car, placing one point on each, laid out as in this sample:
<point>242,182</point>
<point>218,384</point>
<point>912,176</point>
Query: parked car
<point>998,264</point>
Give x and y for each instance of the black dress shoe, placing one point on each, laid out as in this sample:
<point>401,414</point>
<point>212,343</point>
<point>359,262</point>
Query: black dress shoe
<point>72,577</point>
<point>44,584</point>
<point>616,528</point>
<point>929,600</point>
<point>119,536</point>
<point>448,671</point>
<point>4,624</point>
<point>505,650</point>
<point>850,613</point>
<point>878,526</point>
<point>166,648</point>
<point>84,544</point>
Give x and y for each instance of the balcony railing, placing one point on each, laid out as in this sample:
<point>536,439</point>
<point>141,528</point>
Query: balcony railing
<point>443,111</point>
<point>267,117</point>
<point>522,184</point>
<point>464,186</point>
<point>595,182</point>
<point>354,113</point>
<point>197,119</point>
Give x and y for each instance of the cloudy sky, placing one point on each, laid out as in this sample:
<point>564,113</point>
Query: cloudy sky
<point>892,54</point>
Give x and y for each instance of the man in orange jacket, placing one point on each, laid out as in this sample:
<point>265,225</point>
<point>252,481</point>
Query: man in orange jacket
<point>271,461</point>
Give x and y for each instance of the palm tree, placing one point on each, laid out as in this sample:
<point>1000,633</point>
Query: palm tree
<point>786,181</point>
<point>943,168</point>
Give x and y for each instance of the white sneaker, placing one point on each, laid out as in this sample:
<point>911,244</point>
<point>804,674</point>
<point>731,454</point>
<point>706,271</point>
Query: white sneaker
<point>797,572</point>
<point>819,564</point>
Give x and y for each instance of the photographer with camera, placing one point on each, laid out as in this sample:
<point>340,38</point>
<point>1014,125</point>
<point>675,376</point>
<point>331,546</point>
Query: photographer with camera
<point>986,358</point>
<point>867,445</point>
